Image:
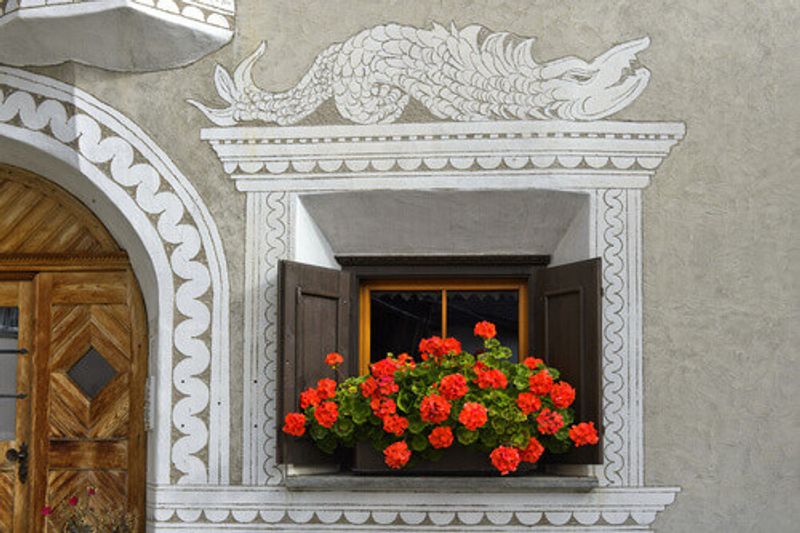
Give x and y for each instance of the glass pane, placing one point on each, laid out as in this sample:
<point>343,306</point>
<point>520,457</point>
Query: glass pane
<point>467,308</point>
<point>91,373</point>
<point>400,319</point>
<point>9,319</point>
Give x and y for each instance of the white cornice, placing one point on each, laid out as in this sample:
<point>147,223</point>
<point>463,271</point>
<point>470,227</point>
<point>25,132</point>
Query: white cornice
<point>601,154</point>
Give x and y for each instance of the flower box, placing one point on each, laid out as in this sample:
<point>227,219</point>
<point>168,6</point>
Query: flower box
<point>458,461</point>
<point>450,413</point>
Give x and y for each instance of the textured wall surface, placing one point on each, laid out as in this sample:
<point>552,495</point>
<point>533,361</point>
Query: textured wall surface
<point>721,273</point>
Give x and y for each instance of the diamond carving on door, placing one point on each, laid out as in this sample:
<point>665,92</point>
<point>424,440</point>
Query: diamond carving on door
<point>91,373</point>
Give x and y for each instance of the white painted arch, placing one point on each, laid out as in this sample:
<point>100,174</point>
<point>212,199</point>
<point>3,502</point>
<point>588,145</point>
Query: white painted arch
<point>105,160</point>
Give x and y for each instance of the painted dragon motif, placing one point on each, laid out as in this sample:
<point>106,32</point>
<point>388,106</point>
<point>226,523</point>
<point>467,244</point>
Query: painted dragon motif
<point>471,74</point>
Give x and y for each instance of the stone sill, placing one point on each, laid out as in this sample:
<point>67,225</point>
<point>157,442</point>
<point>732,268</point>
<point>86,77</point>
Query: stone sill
<point>366,483</point>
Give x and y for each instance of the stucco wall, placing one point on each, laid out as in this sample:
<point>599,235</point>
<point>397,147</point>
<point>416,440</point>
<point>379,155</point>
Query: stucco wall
<point>720,220</point>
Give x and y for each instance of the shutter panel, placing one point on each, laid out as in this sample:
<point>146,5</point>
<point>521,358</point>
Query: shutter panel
<point>566,303</point>
<point>314,318</point>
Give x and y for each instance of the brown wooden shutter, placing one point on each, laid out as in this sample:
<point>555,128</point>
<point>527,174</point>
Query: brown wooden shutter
<point>566,304</point>
<point>314,320</point>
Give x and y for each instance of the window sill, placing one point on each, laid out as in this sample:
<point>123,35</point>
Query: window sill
<point>359,483</point>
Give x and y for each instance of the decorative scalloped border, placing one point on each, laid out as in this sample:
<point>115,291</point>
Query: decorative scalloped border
<point>265,509</point>
<point>195,10</point>
<point>167,202</point>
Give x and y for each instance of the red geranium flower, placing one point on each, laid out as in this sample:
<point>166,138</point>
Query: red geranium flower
<point>47,510</point>
<point>386,367</point>
<point>73,501</point>
<point>583,433</point>
<point>383,407</point>
<point>532,362</point>
<point>326,388</point>
<point>473,416</point>
<point>451,345</point>
<point>326,414</point>
<point>438,347</point>
<point>368,387</point>
<point>309,398</point>
<point>396,455</point>
<point>562,394</point>
<point>434,408</point>
<point>532,452</point>
<point>541,382</point>
<point>395,424</point>
<point>295,424</point>
<point>549,421</point>
<point>453,387</point>
<point>91,491</point>
<point>528,402</point>
<point>334,359</point>
<point>406,360</point>
<point>485,329</point>
<point>492,378</point>
<point>505,459</point>
<point>441,437</point>
<point>387,386</point>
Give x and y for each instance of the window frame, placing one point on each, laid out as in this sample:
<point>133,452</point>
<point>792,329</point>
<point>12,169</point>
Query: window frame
<point>443,285</point>
<point>383,268</point>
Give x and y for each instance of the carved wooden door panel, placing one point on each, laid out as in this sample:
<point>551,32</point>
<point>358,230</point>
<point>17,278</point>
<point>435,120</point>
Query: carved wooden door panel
<point>16,317</point>
<point>90,371</point>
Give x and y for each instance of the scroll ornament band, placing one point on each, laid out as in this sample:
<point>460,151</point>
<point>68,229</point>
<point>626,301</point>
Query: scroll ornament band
<point>469,74</point>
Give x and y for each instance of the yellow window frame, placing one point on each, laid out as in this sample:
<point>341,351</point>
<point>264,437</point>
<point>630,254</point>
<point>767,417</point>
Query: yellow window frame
<point>479,284</point>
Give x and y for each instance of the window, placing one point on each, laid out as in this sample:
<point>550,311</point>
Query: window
<point>394,315</point>
<point>374,305</point>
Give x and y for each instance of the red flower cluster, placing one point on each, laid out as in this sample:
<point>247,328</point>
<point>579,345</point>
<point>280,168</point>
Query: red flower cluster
<point>438,347</point>
<point>491,378</point>
<point>541,382</point>
<point>309,398</point>
<point>562,394</point>
<point>396,455</point>
<point>583,433</point>
<point>434,409</point>
<point>441,437</point>
<point>528,402</point>
<point>394,424</point>
<point>73,501</point>
<point>334,359</point>
<point>453,387</point>
<point>326,388</point>
<point>385,368</point>
<point>383,407</point>
<point>532,362</point>
<point>505,458</point>
<point>368,387</point>
<point>294,424</point>
<point>326,414</point>
<point>549,421</point>
<point>473,415</point>
<point>485,329</point>
<point>533,451</point>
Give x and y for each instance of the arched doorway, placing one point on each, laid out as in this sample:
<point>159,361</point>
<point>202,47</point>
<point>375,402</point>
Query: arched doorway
<point>73,352</point>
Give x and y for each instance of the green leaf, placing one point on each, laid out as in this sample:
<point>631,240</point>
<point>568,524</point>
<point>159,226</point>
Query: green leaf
<point>415,424</point>
<point>343,427</point>
<point>318,432</point>
<point>489,439</point>
<point>419,443</point>
<point>465,436</point>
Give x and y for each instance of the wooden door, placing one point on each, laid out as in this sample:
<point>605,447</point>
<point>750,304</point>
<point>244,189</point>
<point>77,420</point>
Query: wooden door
<point>88,419</point>
<point>16,318</point>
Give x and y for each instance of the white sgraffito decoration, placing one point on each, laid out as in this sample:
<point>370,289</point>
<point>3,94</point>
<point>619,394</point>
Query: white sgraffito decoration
<point>188,301</point>
<point>468,74</point>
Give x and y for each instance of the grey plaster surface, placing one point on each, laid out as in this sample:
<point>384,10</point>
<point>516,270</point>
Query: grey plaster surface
<point>722,302</point>
<point>445,222</point>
